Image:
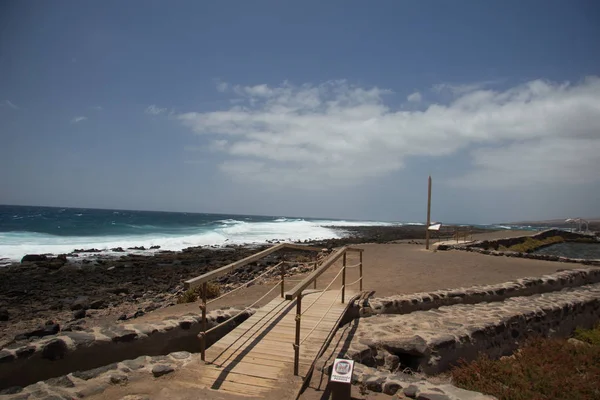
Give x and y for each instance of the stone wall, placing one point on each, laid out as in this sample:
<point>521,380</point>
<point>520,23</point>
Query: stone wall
<point>23,364</point>
<point>81,384</point>
<point>434,340</point>
<point>404,304</point>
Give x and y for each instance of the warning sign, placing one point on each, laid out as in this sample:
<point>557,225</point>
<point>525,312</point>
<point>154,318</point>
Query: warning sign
<point>342,371</point>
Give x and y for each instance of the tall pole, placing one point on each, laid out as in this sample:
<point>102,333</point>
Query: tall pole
<point>428,214</point>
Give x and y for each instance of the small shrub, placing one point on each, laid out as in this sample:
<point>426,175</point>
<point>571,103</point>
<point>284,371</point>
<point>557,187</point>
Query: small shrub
<point>544,369</point>
<point>591,336</point>
<point>191,295</point>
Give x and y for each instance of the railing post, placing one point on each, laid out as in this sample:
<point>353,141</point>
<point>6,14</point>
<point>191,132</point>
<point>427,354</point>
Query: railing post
<point>316,258</point>
<point>282,278</point>
<point>297,340</point>
<point>344,277</point>
<point>361,272</point>
<point>203,337</point>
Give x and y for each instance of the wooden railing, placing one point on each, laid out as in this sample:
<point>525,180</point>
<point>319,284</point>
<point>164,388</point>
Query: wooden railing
<point>203,280</point>
<point>296,293</point>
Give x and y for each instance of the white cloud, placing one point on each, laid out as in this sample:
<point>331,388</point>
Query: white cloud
<point>10,104</point>
<point>338,133</point>
<point>459,89</point>
<point>222,86</point>
<point>78,119</point>
<point>415,97</point>
<point>154,110</point>
<point>97,108</point>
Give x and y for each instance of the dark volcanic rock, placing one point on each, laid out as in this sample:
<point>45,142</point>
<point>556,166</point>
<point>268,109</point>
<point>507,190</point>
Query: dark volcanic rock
<point>98,304</point>
<point>154,247</point>
<point>4,316</point>
<point>25,352</point>
<point>55,349</point>
<point>79,314</point>
<point>80,303</point>
<point>5,356</point>
<point>34,258</point>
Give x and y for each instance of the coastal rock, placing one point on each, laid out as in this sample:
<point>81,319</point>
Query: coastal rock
<point>154,247</point>
<point>117,250</point>
<point>98,304</point>
<point>47,330</point>
<point>4,316</point>
<point>80,303</point>
<point>34,258</point>
<point>136,248</point>
<point>79,314</point>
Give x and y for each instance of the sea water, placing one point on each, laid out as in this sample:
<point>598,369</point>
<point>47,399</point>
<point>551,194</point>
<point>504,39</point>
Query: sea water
<point>41,230</point>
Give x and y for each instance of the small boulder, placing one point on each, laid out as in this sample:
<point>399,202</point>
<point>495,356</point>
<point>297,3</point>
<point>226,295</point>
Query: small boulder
<point>118,379</point>
<point>161,369</point>
<point>98,304</point>
<point>154,247</point>
<point>33,258</point>
<point>55,349</point>
<point>79,314</point>
<point>80,303</point>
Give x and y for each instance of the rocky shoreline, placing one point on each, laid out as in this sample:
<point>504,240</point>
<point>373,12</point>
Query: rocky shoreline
<point>45,294</point>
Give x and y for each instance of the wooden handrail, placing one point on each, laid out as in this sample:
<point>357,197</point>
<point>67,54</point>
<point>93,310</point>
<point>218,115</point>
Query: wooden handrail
<point>199,280</point>
<point>297,290</point>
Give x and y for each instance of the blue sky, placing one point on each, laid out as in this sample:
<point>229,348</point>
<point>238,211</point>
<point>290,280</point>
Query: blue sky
<point>329,109</point>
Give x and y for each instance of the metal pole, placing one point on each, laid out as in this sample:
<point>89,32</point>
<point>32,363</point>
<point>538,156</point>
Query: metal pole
<point>343,277</point>
<point>297,340</point>
<point>282,268</point>
<point>428,214</point>
<point>203,337</point>
<point>361,274</point>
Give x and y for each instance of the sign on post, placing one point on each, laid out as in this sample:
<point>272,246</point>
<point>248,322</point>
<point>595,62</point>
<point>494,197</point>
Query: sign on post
<point>341,379</point>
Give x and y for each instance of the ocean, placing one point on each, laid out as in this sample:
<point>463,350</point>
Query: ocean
<point>41,230</point>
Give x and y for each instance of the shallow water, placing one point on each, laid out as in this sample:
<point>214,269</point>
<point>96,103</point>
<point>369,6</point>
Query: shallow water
<point>587,251</point>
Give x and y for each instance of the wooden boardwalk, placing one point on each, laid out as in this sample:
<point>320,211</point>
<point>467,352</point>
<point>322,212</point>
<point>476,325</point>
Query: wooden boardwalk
<point>257,356</point>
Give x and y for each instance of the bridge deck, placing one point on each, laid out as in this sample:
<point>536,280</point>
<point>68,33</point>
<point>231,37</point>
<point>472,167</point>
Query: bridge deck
<point>257,356</point>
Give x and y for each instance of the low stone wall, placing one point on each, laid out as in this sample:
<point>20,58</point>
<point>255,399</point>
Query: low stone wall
<point>432,341</point>
<point>81,384</point>
<point>53,356</point>
<point>404,304</point>
<point>410,386</point>
<point>531,256</point>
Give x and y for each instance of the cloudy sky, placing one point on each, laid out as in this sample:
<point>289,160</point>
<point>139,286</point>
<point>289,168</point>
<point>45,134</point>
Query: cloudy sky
<point>329,109</point>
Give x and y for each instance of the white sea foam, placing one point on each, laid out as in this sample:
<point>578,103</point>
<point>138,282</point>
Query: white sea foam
<point>14,245</point>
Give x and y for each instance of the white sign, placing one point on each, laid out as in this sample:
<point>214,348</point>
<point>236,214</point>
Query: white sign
<point>342,371</point>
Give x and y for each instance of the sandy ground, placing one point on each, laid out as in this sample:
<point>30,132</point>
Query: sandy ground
<point>389,269</point>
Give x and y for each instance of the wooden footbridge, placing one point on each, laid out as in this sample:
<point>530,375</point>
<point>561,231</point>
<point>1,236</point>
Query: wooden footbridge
<point>279,343</point>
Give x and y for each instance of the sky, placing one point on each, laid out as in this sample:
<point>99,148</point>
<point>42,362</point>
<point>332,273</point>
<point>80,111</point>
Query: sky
<point>337,109</point>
